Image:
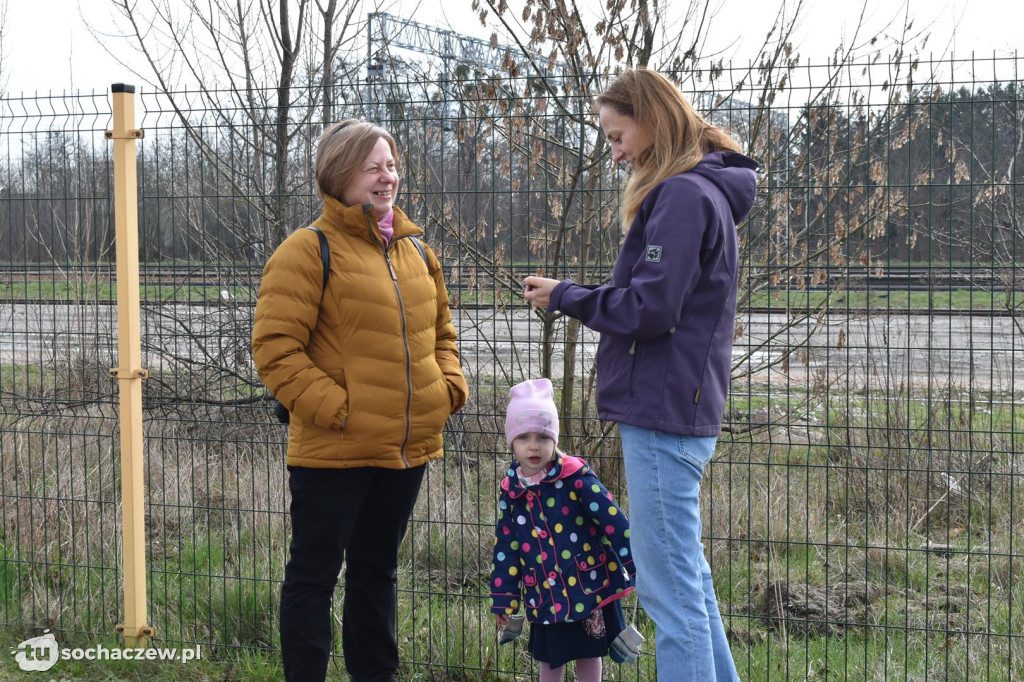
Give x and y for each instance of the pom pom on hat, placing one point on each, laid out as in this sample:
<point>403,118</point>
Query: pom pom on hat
<point>531,409</point>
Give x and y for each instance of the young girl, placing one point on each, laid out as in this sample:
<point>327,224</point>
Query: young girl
<point>562,544</point>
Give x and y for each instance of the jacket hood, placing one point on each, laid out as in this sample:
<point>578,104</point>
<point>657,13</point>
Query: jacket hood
<point>735,175</point>
<point>564,466</point>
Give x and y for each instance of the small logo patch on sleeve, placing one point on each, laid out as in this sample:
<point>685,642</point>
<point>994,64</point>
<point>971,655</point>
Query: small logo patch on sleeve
<point>653,254</point>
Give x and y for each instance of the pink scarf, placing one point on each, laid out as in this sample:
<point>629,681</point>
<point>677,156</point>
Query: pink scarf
<point>387,229</point>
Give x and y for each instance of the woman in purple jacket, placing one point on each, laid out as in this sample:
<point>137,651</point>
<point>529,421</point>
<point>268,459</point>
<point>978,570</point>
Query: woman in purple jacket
<point>666,321</point>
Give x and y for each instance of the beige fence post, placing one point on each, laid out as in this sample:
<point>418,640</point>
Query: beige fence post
<point>129,372</point>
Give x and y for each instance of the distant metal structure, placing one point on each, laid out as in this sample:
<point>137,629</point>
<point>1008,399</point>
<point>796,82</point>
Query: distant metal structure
<point>385,32</point>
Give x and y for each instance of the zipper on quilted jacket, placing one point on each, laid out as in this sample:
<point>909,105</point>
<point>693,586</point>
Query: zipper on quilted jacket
<point>405,336</point>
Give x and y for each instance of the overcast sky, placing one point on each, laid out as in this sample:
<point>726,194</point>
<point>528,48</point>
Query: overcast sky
<point>48,48</point>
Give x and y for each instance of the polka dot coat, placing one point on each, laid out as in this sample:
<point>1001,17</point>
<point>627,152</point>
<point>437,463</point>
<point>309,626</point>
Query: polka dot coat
<point>561,547</point>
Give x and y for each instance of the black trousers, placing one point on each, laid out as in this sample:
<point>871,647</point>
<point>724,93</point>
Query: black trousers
<point>358,516</point>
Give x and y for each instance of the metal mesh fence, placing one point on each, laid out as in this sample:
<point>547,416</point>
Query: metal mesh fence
<point>860,508</point>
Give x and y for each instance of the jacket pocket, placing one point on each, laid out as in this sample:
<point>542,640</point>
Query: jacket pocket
<point>338,375</point>
<point>592,571</point>
<point>533,596</point>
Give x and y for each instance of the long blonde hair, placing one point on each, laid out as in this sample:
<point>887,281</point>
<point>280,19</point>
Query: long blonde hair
<point>678,136</point>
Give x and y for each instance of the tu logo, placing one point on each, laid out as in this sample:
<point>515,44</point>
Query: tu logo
<point>39,653</point>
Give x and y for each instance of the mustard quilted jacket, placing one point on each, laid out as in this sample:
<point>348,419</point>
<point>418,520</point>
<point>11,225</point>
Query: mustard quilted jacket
<point>368,367</point>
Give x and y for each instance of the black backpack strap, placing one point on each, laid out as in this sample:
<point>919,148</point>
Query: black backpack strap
<point>325,252</point>
<point>423,254</point>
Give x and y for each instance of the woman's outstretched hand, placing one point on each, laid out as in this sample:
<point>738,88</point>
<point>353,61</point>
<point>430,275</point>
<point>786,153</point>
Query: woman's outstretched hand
<point>500,619</point>
<point>538,290</point>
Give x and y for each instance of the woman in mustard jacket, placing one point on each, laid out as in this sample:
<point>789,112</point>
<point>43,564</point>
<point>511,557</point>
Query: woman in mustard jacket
<point>369,370</point>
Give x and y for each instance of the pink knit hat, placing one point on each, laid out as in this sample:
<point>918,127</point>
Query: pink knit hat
<point>531,409</point>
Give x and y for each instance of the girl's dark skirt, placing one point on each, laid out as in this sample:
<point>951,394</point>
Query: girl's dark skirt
<point>558,643</point>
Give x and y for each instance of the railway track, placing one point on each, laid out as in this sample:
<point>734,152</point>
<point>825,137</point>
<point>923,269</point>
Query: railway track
<point>228,280</point>
<point>897,278</point>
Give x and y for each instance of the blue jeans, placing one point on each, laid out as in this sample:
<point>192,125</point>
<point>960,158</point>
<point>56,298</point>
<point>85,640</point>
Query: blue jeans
<point>663,474</point>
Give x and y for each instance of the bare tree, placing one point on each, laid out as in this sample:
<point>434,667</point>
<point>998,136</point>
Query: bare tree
<point>530,120</point>
<point>265,72</point>
<point>239,92</point>
<point>565,57</point>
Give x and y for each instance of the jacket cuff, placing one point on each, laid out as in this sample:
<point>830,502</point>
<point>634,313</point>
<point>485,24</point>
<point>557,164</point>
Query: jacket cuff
<point>458,395</point>
<point>338,423</point>
<point>504,603</point>
<point>555,301</point>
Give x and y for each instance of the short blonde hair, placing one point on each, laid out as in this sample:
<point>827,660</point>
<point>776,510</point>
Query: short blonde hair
<point>341,150</point>
<point>679,137</point>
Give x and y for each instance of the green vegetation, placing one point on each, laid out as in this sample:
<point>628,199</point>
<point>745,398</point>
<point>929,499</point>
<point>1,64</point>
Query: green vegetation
<point>961,300</point>
<point>89,292</point>
<point>25,380</point>
<point>883,518</point>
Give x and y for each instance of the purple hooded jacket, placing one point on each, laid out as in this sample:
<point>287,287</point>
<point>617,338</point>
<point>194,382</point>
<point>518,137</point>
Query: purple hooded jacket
<point>667,317</point>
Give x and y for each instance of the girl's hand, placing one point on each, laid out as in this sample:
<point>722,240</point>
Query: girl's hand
<point>500,619</point>
<point>538,290</point>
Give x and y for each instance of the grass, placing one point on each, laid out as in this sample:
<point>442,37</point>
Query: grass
<point>72,291</point>
<point>874,503</point>
<point>956,300</point>
<point>26,379</point>
<point>860,503</point>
